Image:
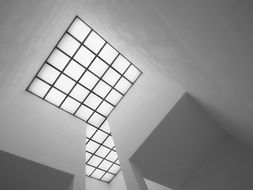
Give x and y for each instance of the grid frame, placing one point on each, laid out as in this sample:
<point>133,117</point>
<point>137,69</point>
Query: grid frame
<point>67,94</point>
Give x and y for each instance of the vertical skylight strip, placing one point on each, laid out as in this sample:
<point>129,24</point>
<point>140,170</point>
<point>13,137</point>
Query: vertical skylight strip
<point>87,77</point>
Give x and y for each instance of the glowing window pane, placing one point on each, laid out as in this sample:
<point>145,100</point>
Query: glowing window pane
<point>111,77</point>
<point>48,73</point>
<point>74,70</point>
<point>84,56</point>
<point>39,88</point>
<point>132,73</point>
<point>79,29</point>
<point>108,53</point>
<point>58,59</point>
<point>55,96</point>
<point>68,44</point>
<point>70,105</point>
<point>121,64</point>
<point>94,42</point>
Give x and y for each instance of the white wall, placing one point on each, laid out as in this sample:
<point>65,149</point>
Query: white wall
<point>178,145</point>
<point>94,184</point>
<point>118,183</point>
<point>155,186</point>
<point>230,167</point>
<point>150,99</point>
<point>29,127</point>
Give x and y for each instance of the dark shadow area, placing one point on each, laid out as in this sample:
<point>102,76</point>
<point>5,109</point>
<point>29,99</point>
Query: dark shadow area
<point>17,173</point>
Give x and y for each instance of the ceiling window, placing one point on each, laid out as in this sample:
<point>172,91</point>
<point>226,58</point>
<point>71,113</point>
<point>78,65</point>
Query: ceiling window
<point>87,77</point>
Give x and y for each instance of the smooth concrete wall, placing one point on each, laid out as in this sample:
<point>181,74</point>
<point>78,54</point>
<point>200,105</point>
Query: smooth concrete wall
<point>230,167</point>
<point>94,184</point>
<point>150,99</point>
<point>185,137</point>
<point>17,173</point>
<point>33,129</point>
<point>30,127</point>
<point>118,183</point>
<point>155,186</point>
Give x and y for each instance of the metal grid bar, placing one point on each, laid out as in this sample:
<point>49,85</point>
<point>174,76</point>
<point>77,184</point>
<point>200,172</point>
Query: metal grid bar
<point>61,72</point>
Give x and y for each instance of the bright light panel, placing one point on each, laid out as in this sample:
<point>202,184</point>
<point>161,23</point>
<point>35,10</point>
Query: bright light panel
<point>87,77</point>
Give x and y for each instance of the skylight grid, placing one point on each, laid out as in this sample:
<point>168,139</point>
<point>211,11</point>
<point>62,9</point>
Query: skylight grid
<point>87,77</point>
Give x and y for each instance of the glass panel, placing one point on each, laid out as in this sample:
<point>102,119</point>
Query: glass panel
<point>121,64</point>
<point>79,29</point>
<point>102,151</point>
<point>132,73</point>
<point>93,101</point>
<point>111,77</point>
<point>84,112</point>
<point>94,42</point>
<point>102,89</point>
<point>88,80</point>
<point>112,156</point>
<point>105,127</point>
<point>90,130</point>
<point>74,70</point>
<point>92,146</point>
<point>58,59</point>
<point>107,177</point>
<point>94,161</point>
<point>55,96</point>
<point>108,53</point>
<point>88,155</point>
<point>109,142</point>
<point>123,85</point>
<point>98,174</point>
<point>117,162</point>
<point>48,73</point>
<point>114,169</point>
<point>105,165</point>
<point>89,169</point>
<point>39,88</point>
<point>96,120</point>
<point>79,92</point>
<point>98,67</point>
<point>84,56</point>
<point>105,108</point>
<point>114,97</point>
<point>68,44</point>
<point>70,105</point>
<point>64,83</point>
<point>100,136</point>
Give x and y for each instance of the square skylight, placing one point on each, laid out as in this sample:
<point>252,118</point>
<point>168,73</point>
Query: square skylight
<point>87,77</point>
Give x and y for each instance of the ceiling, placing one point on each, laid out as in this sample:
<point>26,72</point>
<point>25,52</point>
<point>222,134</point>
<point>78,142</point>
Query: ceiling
<point>204,45</point>
<point>207,47</point>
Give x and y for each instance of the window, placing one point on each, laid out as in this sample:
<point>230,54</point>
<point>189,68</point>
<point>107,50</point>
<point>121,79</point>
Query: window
<point>87,77</point>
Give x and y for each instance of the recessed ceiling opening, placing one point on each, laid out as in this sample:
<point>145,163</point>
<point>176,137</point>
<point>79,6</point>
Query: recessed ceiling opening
<point>87,77</point>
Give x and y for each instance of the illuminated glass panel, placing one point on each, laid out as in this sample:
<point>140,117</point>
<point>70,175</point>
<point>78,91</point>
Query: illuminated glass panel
<point>87,77</point>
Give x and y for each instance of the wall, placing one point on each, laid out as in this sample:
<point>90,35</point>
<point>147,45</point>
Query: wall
<point>94,184</point>
<point>230,167</point>
<point>155,186</point>
<point>21,174</point>
<point>150,99</point>
<point>32,128</point>
<point>185,137</point>
<point>118,183</point>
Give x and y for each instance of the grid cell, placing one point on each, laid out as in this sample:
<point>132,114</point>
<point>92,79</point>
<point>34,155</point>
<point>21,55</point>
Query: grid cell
<point>87,77</point>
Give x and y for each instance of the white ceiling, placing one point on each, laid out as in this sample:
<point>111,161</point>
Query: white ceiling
<point>205,45</point>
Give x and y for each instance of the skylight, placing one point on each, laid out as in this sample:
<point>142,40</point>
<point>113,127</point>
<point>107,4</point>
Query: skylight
<point>87,77</point>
